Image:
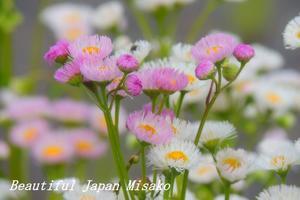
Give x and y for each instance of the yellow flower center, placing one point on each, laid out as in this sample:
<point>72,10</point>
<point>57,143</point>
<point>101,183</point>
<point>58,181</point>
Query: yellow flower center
<point>52,151</point>
<point>298,35</point>
<point>278,160</point>
<point>148,128</point>
<point>233,163</point>
<point>273,98</point>
<point>91,50</point>
<point>87,197</point>
<point>73,33</point>
<point>174,129</point>
<point>205,170</point>
<point>83,146</point>
<point>191,78</point>
<point>30,134</point>
<point>213,49</point>
<point>177,155</point>
<point>103,68</point>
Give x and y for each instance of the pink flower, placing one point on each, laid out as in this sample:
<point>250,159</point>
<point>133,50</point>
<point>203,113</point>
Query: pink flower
<point>53,148</point>
<point>25,134</point>
<point>133,85</point>
<point>150,128</point>
<point>58,52</point>
<point>167,113</point>
<point>114,84</point>
<point>166,80</point>
<point>69,73</point>
<point>91,46</point>
<point>214,47</point>
<point>95,69</point>
<point>244,52</point>
<point>87,144</point>
<point>69,111</point>
<point>4,150</point>
<point>127,63</point>
<point>204,70</point>
<point>27,108</point>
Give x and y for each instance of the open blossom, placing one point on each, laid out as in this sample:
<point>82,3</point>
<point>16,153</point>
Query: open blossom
<point>133,85</point>
<point>280,192</point>
<point>177,154</point>
<point>69,73</point>
<point>214,47</point>
<point>182,52</point>
<point>57,52</point>
<point>243,52</point>
<point>25,134</point>
<point>53,148</point>
<point>153,5</point>
<point>166,80</point>
<point>87,144</point>
<point>150,128</point>
<point>95,69</point>
<point>234,165</point>
<point>86,47</point>
<point>67,110</point>
<point>109,15</point>
<point>291,34</point>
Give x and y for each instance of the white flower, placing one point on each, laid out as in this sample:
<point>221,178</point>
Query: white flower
<point>140,50</point>
<point>234,165</point>
<point>232,197</point>
<point>217,131</point>
<point>6,193</point>
<point>182,52</point>
<point>280,159</point>
<point>152,5</point>
<point>286,77</point>
<point>291,34</point>
<point>68,20</point>
<point>121,42</point>
<point>205,171</point>
<point>109,15</point>
<point>184,129</point>
<point>60,184</point>
<point>297,145</point>
<point>280,192</point>
<point>177,154</point>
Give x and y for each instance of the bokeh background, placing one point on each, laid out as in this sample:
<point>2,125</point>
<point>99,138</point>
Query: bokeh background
<point>259,21</point>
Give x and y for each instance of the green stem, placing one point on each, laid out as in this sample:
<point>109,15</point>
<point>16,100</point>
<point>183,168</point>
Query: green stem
<point>154,181</point>
<point>227,191</point>
<point>81,169</point>
<point>143,163</point>
<point>16,166</point>
<point>154,99</point>
<point>162,103</point>
<point>117,114</point>
<point>179,103</point>
<point>6,58</point>
<point>201,19</point>
<point>54,172</point>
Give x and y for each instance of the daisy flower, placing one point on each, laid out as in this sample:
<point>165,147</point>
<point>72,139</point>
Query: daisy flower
<point>69,111</point>
<point>91,46</point>
<point>232,197</point>
<point>27,108</point>
<point>152,5</point>
<point>67,20</point>
<point>280,192</point>
<point>69,73</point>
<point>184,129</point>
<point>122,42</point>
<point>166,80</point>
<point>53,148</point>
<point>205,172</point>
<point>291,34</point>
<point>234,165</point>
<point>95,69</point>
<point>214,47</point>
<point>139,49</point>
<point>150,128</point>
<point>4,150</point>
<point>182,52</point>
<point>215,132</point>
<point>109,15</point>
<point>177,154</point>
<point>87,144</point>
<point>25,134</point>
<point>97,120</point>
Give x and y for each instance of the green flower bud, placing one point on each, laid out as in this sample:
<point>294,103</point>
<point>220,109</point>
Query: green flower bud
<point>230,71</point>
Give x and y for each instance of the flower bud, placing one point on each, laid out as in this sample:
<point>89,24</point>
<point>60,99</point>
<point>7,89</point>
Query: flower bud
<point>229,72</point>
<point>243,52</point>
<point>127,63</point>
<point>205,70</point>
<point>133,85</point>
<point>57,53</point>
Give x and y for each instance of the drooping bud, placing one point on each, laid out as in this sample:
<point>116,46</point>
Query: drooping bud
<point>205,70</point>
<point>57,53</point>
<point>243,52</point>
<point>133,85</point>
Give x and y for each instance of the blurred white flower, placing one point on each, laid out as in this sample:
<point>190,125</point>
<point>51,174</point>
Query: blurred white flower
<point>280,192</point>
<point>121,42</point>
<point>182,52</point>
<point>232,197</point>
<point>139,49</point>
<point>291,34</point>
<point>109,15</point>
<point>152,5</point>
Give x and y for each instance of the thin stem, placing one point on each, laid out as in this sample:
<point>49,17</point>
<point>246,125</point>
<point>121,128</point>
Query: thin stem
<point>154,181</point>
<point>162,103</point>
<point>227,191</point>
<point>117,113</point>
<point>179,103</point>
<point>143,163</point>
<point>201,19</point>
<point>6,58</point>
